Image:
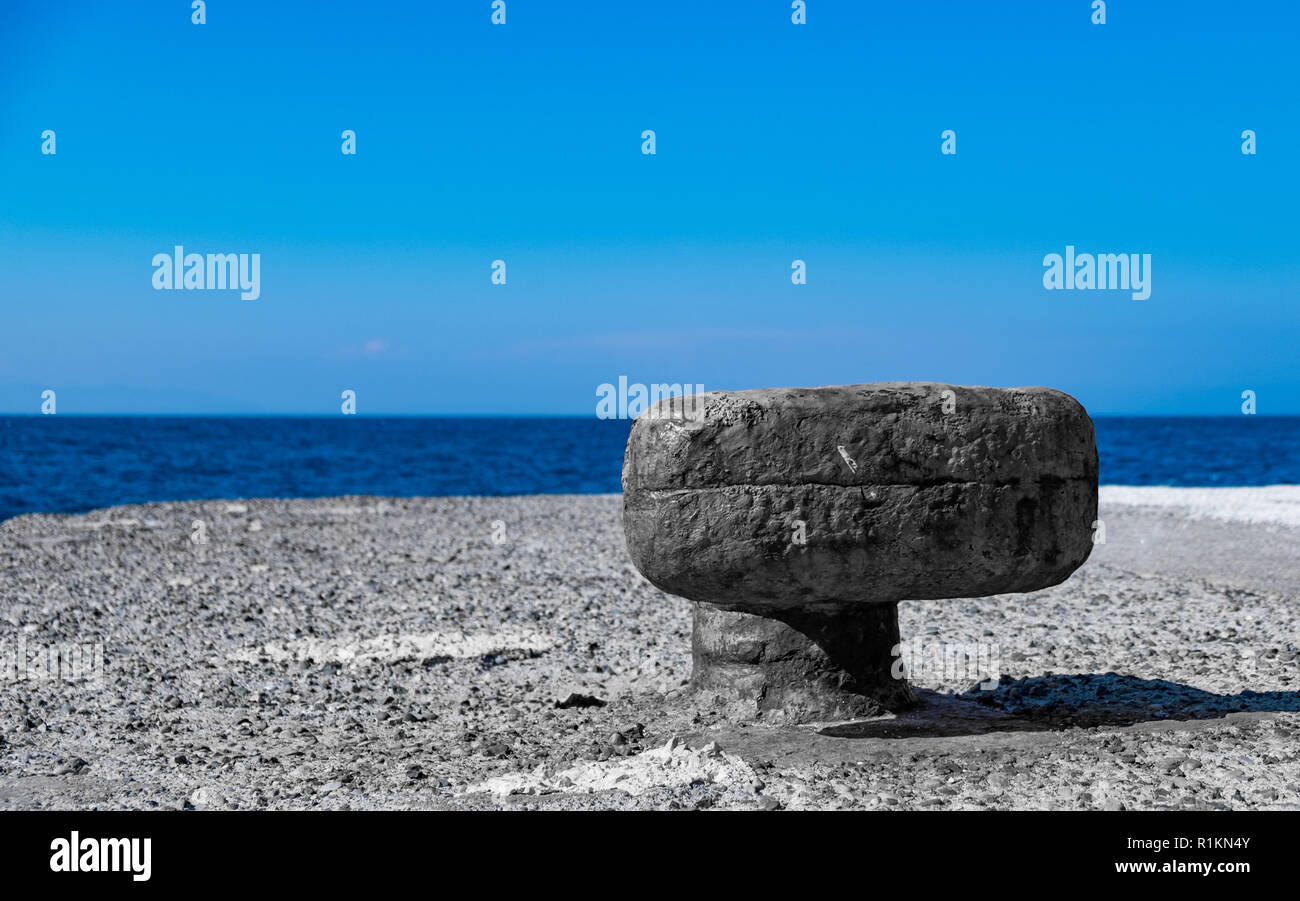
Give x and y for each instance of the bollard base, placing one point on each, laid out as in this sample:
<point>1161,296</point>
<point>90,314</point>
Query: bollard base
<point>800,666</point>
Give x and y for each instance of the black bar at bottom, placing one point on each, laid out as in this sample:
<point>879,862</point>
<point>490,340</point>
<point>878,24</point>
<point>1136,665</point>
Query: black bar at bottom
<point>611,852</point>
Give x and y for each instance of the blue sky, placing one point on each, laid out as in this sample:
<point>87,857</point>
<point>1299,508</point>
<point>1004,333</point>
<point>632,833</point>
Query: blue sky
<point>522,142</point>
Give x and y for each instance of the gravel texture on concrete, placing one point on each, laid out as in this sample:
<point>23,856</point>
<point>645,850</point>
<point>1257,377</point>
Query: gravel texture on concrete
<point>365,652</point>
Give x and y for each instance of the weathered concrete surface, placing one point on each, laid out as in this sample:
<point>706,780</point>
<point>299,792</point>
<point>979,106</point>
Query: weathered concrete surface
<point>1136,683</point>
<point>812,506</point>
<point>801,666</point>
<point>997,496</point>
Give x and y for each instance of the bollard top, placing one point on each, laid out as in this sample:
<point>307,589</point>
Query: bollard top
<point>792,498</point>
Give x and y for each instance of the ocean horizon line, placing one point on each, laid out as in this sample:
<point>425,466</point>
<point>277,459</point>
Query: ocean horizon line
<point>87,461</point>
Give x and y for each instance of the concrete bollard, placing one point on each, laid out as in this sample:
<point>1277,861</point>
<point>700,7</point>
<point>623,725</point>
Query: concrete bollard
<point>796,519</point>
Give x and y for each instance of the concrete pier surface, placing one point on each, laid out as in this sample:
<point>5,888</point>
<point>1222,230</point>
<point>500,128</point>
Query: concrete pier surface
<point>366,652</point>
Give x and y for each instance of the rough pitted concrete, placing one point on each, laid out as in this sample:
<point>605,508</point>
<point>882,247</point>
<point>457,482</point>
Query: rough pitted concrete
<point>796,666</point>
<point>380,653</point>
<point>810,506</point>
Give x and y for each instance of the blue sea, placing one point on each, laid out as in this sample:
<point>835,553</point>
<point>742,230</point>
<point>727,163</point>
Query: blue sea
<point>67,463</point>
